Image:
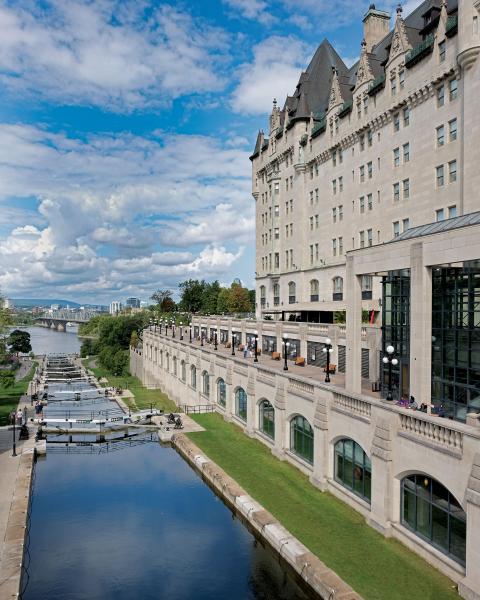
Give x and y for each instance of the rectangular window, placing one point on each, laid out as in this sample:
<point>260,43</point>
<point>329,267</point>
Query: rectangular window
<point>334,214</point>
<point>311,198</point>
<point>316,169</point>
<point>440,96</point>
<point>369,137</point>
<point>311,172</point>
<point>277,260</point>
<point>316,221</point>
<point>406,189</point>
<point>370,201</point>
<point>334,158</point>
<point>393,86</point>
<point>340,156</point>
<point>340,184</point>
<point>277,188</point>
<point>406,152</point>
<point>359,108</point>
<point>452,128</point>
<point>365,105</point>
<point>334,186</point>
<point>316,252</point>
<point>340,212</point>
<point>362,143</point>
<point>362,239</point>
<point>334,247</point>
<point>406,224</point>
<point>442,47</point>
<point>396,192</point>
<point>370,237</point>
<point>440,136</point>
<point>340,246</point>
<point>277,233</point>
<point>286,184</point>
<point>396,122</point>
<point>452,212</point>
<point>316,195</point>
<point>291,205</point>
<point>452,171</point>
<point>286,259</point>
<point>370,169</point>
<point>396,228</point>
<point>286,230</point>
<point>362,173</point>
<point>440,176</point>
<point>453,89</point>
<point>277,210</point>
<point>406,116</point>
<point>362,204</point>
<point>439,214</point>
<point>311,223</point>
<point>401,79</point>
<point>396,157</point>
<point>311,254</point>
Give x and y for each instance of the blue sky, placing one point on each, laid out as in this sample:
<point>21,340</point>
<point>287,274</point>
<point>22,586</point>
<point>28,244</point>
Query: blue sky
<point>125,131</point>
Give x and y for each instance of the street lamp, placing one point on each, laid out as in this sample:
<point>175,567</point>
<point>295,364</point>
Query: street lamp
<point>215,339</point>
<point>234,335</point>
<point>190,325</point>
<point>285,345</point>
<point>327,348</point>
<point>173,329</point>
<point>390,360</point>
<point>181,331</point>
<point>14,450</point>
<point>255,333</point>
<point>201,335</point>
<point>150,324</point>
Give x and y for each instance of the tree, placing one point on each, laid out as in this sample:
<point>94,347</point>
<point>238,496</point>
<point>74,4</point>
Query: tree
<point>223,301</point>
<point>191,295</point>
<point>163,299</point>
<point>210,297</point>
<point>19,341</point>
<point>239,299</point>
<point>134,339</point>
<point>86,348</point>
<point>5,323</point>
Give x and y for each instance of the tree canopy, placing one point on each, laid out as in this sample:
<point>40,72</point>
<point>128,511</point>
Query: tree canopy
<point>19,341</point>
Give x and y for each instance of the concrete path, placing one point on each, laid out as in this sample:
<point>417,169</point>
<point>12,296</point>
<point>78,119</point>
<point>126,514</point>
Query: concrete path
<point>24,368</point>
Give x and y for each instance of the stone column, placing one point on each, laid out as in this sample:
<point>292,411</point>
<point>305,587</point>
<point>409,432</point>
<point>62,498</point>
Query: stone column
<point>228,395</point>
<point>420,326</point>
<point>381,459</point>
<point>279,404</point>
<point>470,586</point>
<point>353,379</point>
<point>321,454</point>
<point>302,334</point>
<point>251,403</point>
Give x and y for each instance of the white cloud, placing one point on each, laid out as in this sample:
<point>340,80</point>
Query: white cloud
<point>273,73</point>
<point>257,10</point>
<point>108,54</point>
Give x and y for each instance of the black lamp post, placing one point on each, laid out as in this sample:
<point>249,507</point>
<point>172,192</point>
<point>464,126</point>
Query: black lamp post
<point>181,331</point>
<point>215,340</point>
<point>150,324</point>
<point>234,335</point>
<point>327,348</point>
<point>285,345</point>
<point>155,323</point>
<point>190,333</point>
<point>390,359</point>
<point>201,335</point>
<point>14,449</point>
<point>255,343</point>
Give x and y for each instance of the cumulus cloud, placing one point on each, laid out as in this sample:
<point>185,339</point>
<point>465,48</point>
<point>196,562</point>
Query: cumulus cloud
<point>257,10</point>
<point>273,73</point>
<point>111,54</point>
<point>121,213</point>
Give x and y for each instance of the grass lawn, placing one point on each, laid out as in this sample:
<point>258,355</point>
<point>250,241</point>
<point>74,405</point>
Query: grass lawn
<point>9,397</point>
<point>144,398</point>
<point>377,568</point>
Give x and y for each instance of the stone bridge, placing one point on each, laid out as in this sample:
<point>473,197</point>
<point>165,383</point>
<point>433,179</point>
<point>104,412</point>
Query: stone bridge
<point>58,319</point>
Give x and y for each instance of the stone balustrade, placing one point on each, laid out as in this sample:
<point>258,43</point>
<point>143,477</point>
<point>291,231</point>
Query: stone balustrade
<point>351,405</point>
<point>431,429</point>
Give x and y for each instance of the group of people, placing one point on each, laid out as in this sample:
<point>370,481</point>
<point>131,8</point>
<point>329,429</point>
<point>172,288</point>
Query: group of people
<point>16,417</point>
<point>411,403</point>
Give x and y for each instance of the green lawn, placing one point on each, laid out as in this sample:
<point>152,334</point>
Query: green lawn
<point>377,568</point>
<point>143,398</point>
<point>9,397</point>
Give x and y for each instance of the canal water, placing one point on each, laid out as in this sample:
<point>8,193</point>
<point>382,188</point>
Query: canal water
<point>49,341</point>
<point>130,519</point>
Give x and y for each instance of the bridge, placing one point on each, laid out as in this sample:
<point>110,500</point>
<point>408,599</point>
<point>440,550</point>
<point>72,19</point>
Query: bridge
<point>58,319</point>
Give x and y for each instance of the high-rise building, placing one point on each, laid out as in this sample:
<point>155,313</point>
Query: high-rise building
<point>115,307</point>
<point>132,303</point>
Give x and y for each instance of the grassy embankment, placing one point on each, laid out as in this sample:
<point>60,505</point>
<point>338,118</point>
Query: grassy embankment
<point>9,397</point>
<point>376,567</point>
<point>143,398</point>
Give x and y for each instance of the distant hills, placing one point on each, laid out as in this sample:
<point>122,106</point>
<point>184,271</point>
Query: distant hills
<point>47,302</point>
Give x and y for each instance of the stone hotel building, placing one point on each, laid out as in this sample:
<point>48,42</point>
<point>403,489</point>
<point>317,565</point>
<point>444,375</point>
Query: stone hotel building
<point>368,243</point>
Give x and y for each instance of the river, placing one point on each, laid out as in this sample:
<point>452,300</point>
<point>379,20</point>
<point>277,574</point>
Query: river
<point>49,341</point>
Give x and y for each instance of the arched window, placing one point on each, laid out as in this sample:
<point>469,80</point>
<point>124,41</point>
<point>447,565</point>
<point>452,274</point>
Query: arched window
<point>314,287</point>
<point>266,418</point>
<point>337,288</point>
<point>262,296</point>
<point>434,514</point>
<point>175,366</point>
<point>292,292</point>
<point>353,468</point>
<point>183,370</point>
<point>221,393</point>
<point>167,366</point>
<point>193,376</point>
<point>161,358</point>
<point>206,383</point>
<point>301,438</point>
<point>241,404</point>
<point>276,294</point>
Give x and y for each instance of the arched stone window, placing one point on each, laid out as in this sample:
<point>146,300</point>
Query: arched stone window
<point>276,294</point>
<point>353,468</point>
<point>292,292</point>
<point>193,376</point>
<point>175,366</point>
<point>221,393</point>
<point>241,404</point>
<point>338,288</point>
<point>262,296</point>
<point>161,358</point>
<point>433,513</point>
<point>206,383</point>
<point>183,371</point>
<point>167,361</point>
<point>314,288</point>
<point>266,414</point>
<point>301,438</point>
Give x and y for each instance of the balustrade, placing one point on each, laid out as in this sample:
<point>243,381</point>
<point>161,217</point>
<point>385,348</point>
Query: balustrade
<point>435,432</point>
<point>352,405</point>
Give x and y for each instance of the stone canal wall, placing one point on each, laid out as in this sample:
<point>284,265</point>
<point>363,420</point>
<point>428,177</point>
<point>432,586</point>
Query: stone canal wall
<point>309,567</point>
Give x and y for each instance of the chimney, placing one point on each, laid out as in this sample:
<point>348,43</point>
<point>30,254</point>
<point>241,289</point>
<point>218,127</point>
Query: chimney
<point>376,25</point>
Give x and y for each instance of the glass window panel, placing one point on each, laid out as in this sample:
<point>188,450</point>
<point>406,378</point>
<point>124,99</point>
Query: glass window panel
<point>458,535</point>
<point>409,504</point>
<point>440,527</point>
<point>423,517</point>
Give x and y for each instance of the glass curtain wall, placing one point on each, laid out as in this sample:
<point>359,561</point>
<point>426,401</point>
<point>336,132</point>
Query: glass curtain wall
<point>456,340</point>
<point>396,331</point>
<point>301,438</point>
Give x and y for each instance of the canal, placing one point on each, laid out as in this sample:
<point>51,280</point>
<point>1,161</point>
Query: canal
<point>129,519</point>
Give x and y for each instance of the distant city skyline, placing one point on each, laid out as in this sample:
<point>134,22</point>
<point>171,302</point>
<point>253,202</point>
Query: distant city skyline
<point>126,131</point>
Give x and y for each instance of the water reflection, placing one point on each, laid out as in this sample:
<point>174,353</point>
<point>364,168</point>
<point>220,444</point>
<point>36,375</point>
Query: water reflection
<point>49,341</point>
<point>140,523</point>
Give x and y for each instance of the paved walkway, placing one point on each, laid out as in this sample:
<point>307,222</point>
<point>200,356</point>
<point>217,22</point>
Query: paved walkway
<point>24,368</point>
